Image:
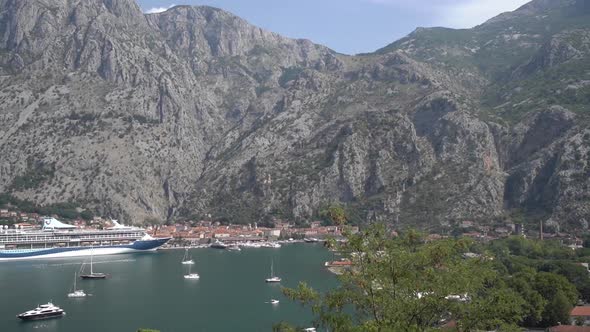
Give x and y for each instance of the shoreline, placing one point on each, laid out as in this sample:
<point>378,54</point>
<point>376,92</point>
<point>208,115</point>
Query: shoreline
<point>242,245</point>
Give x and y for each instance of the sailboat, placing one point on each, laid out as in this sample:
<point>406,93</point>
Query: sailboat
<point>272,278</point>
<point>93,275</point>
<point>76,292</point>
<point>186,259</point>
<point>191,275</point>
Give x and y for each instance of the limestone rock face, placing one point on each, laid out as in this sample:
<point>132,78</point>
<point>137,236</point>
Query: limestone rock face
<point>195,112</point>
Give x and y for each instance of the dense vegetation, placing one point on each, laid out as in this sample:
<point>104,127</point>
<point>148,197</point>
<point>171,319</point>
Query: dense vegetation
<point>406,283</point>
<point>67,210</point>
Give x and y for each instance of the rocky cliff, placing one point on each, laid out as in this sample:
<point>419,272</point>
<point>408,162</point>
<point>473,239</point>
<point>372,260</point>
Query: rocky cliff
<point>194,112</point>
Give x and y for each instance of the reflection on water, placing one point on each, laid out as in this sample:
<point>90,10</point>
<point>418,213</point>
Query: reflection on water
<point>77,263</point>
<point>46,324</point>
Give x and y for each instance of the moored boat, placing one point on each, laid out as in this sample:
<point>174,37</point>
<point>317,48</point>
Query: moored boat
<point>191,275</point>
<point>187,259</point>
<point>44,311</point>
<point>234,248</point>
<point>92,274</point>
<point>218,245</point>
<point>95,275</point>
<point>273,278</point>
<point>76,293</point>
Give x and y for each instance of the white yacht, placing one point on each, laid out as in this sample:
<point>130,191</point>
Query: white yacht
<point>273,301</point>
<point>187,259</point>
<point>76,292</point>
<point>191,275</point>
<point>218,245</point>
<point>44,311</point>
<point>272,278</point>
<point>234,248</point>
<point>274,245</point>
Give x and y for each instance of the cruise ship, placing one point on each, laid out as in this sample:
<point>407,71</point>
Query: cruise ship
<point>57,240</point>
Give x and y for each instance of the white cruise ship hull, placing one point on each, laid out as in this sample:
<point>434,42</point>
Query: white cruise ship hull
<point>33,254</point>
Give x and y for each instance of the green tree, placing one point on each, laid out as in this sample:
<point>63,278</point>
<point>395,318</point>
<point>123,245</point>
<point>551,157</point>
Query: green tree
<point>407,284</point>
<point>87,215</point>
<point>560,295</point>
<point>523,283</point>
<point>576,274</point>
<point>557,311</point>
<point>335,214</point>
<point>152,221</point>
<point>284,327</point>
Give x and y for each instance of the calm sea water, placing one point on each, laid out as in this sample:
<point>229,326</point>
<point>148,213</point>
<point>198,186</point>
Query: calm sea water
<point>148,290</point>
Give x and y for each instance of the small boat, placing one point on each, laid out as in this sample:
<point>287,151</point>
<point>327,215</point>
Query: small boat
<point>272,278</point>
<point>76,292</point>
<point>92,275</point>
<point>311,240</point>
<point>44,311</point>
<point>218,245</point>
<point>191,275</point>
<point>309,329</point>
<point>186,259</point>
<point>234,248</point>
<point>273,301</point>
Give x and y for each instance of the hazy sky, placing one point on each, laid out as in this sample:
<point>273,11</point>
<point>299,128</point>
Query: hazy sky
<point>352,26</point>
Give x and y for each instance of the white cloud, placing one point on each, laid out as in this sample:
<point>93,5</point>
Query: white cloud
<point>456,13</point>
<point>156,10</point>
<point>467,14</point>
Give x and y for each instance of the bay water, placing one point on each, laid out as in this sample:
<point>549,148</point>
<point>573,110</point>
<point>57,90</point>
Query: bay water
<point>148,290</point>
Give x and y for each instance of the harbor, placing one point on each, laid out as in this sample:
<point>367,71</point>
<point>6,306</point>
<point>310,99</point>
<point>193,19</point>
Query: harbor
<point>149,290</point>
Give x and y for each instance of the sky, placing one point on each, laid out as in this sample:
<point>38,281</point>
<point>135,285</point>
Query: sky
<point>352,26</point>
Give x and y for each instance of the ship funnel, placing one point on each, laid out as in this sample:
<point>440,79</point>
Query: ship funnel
<point>52,224</point>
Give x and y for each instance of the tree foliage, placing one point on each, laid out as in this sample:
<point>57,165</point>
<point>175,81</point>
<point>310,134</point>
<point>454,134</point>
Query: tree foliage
<point>548,297</point>
<point>520,256</point>
<point>66,210</point>
<point>335,214</point>
<point>407,284</point>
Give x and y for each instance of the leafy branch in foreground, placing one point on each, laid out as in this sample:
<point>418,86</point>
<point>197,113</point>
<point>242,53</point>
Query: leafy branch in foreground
<point>408,284</point>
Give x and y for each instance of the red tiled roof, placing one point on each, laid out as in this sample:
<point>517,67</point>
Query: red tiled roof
<point>580,311</point>
<point>340,263</point>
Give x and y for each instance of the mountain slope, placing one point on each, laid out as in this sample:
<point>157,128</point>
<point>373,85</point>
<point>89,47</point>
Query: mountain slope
<point>194,112</point>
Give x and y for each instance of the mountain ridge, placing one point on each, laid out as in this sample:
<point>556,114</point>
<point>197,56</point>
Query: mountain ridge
<point>194,112</point>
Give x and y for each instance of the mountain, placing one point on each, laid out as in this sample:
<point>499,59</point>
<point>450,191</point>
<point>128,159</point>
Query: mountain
<point>195,112</point>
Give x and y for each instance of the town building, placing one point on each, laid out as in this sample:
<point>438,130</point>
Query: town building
<point>580,314</point>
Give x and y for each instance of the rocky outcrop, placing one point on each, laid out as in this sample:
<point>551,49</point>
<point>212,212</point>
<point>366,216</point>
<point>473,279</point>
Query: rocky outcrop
<point>562,48</point>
